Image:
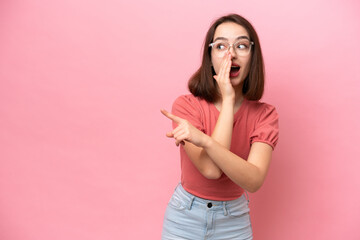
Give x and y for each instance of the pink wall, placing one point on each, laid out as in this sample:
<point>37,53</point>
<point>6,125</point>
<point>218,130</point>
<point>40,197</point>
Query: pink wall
<point>82,148</point>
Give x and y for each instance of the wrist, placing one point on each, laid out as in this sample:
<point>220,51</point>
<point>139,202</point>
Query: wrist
<point>227,106</point>
<point>228,101</point>
<point>207,141</point>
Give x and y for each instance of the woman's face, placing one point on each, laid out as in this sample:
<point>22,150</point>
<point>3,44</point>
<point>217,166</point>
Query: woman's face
<point>231,32</point>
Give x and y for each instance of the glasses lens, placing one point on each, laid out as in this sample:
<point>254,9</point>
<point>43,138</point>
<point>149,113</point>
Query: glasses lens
<point>220,48</point>
<point>242,47</point>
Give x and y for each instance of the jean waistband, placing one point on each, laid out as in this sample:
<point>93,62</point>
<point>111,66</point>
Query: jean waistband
<point>190,199</point>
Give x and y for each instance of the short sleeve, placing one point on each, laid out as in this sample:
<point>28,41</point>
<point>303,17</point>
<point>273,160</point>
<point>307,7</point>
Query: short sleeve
<point>189,108</point>
<point>266,128</point>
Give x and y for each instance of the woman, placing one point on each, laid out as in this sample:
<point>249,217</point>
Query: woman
<point>226,137</point>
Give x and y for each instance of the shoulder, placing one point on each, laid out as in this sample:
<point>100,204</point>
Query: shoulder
<point>261,111</point>
<point>189,101</point>
<point>266,123</point>
<point>187,98</point>
<point>258,107</point>
<point>190,108</point>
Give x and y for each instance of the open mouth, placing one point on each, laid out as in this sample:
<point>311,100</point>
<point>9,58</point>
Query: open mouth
<point>235,70</point>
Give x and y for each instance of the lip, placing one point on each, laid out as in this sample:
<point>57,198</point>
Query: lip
<point>235,74</point>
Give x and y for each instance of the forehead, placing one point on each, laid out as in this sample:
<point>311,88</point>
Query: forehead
<point>230,30</point>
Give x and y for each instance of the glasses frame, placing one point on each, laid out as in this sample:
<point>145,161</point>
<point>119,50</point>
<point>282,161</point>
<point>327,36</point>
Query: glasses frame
<point>232,46</point>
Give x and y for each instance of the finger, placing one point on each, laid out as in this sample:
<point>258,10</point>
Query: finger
<point>179,133</point>
<point>220,74</point>
<point>171,116</point>
<point>223,64</point>
<point>181,138</point>
<point>182,143</point>
<point>228,63</point>
<point>225,71</point>
<point>228,67</point>
<point>177,129</point>
<point>224,67</point>
<point>169,134</point>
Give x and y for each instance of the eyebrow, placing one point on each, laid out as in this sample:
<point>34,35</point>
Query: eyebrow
<point>223,38</point>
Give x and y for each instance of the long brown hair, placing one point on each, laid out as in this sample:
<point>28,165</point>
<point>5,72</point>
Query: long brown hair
<point>203,85</point>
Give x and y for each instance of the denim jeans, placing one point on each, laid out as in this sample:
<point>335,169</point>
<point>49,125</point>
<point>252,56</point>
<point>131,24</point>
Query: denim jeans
<point>190,217</point>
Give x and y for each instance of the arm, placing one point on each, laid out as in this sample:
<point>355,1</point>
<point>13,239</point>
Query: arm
<point>223,129</point>
<point>221,134</point>
<point>249,174</point>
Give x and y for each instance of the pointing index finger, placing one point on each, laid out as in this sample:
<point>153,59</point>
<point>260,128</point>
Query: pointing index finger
<point>171,116</point>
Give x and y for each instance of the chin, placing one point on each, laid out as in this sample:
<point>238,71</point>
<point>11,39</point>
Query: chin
<point>236,81</point>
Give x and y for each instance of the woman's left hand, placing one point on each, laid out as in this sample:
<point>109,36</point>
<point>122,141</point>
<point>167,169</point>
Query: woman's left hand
<point>223,79</point>
<point>185,131</point>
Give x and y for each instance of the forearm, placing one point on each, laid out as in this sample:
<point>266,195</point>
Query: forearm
<point>245,174</point>
<point>224,126</point>
<point>222,134</point>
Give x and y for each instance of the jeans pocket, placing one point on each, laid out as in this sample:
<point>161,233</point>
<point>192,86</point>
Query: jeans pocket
<point>239,209</point>
<point>176,203</point>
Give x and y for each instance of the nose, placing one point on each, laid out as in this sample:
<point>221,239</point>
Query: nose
<point>232,51</point>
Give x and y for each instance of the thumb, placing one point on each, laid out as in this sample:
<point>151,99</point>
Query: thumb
<point>169,134</point>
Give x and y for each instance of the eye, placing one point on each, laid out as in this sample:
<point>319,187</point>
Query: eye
<point>220,46</point>
<point>242,45</point>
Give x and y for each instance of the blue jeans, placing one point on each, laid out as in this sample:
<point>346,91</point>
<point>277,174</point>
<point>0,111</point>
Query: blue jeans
<point>190,217</point>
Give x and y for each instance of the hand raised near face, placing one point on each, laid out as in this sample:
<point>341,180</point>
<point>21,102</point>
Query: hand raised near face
<point>223,78</point>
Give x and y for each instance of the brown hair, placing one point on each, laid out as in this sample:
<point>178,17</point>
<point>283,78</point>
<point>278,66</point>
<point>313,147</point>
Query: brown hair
<point>203,85</point>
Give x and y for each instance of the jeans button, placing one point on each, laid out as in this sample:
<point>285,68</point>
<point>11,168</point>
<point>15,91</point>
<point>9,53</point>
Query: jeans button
<point>209,205</point>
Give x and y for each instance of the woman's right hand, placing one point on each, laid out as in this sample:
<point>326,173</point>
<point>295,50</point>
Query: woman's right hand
<point>185,131</point>
<point>223,79</point>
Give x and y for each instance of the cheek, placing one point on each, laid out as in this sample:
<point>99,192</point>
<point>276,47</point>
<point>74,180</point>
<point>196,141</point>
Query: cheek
<point>246,68</point>
<point>216,64</point>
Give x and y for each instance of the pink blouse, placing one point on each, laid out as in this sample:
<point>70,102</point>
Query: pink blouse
<point>253,122</point>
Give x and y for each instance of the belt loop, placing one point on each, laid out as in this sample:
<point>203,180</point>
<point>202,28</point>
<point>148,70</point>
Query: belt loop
<point>247,196</point>
<point>224,208</point>
<point>191,202</point>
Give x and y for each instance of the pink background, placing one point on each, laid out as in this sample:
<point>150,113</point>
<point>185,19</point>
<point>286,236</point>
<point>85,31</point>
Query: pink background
<point>83,152</point>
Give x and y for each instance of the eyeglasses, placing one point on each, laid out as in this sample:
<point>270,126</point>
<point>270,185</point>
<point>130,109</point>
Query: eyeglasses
<point>241,47</point>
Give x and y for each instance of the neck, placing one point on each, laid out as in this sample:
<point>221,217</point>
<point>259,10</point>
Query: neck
<point>238,95</point>
<point>238,101</point>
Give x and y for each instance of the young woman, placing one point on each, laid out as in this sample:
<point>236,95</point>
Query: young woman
<point>226,137</point>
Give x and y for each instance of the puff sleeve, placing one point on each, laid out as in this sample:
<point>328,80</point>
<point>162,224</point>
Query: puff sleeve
<point>189,108</point>
<point>266,127</point>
